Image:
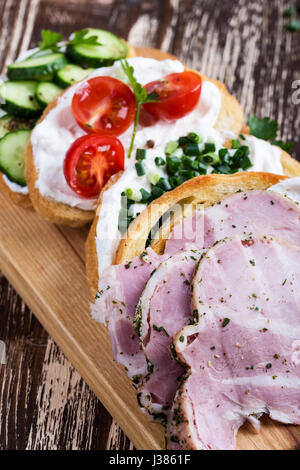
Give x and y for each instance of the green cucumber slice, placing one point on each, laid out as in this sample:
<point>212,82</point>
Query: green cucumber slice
<point>10,123</point>
<point>46,92</point>
<point>36,67</point>
<point>12,148</point>
<point>71,74</point>
<point>110,49</point>
<point>19,98</point>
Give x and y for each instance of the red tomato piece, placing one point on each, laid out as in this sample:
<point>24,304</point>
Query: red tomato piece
<point>91,161</point>
<point>178,94</point>
<point>104,105</point>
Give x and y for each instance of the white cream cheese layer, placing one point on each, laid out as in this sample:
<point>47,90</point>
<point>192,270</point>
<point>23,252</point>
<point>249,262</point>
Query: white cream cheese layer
<point>53,136</point>
<point>16,188</point>
<point>289,188</point>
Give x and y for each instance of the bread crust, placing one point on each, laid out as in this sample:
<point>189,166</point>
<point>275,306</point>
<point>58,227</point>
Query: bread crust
<point>22,200</point>
<point>230,117</point>
<point>207,190</point>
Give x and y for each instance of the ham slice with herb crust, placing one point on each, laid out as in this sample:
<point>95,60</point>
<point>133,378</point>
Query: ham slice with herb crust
<point>241,355</point>
<point>164,308</point>
<point>242,214</point>
<point>120,288</point>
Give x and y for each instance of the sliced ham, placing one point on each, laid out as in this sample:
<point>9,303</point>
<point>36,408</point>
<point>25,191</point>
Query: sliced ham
<point>241,356</point>
<point>243,214</point>
<point>164,308</point>
<point>119,291</point>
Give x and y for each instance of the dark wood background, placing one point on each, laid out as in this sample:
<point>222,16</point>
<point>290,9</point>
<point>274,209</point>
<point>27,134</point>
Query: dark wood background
<point>44,403</point>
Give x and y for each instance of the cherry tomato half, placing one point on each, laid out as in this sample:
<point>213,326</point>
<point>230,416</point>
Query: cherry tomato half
<point>178,94</point>
<point>104,105</point>
<point>91,161</point>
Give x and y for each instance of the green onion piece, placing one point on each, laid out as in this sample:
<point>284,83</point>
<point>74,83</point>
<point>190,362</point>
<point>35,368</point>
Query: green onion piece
<point>210,158</point>
<point>224,169</point>
<point>202,168</point>
<point>153,177</point>
<point>140,154</point>
<point>171,147</point>
<point>140,169</point>
<point>223,153</point>
<point>194,137</point>
<point>164,184</point>
<point>173,164</point>
<point>156,192</point>
<point>186,174</point>
<point>159,161</point>
<point>235,144</point>
<point>245,163</point>
<point>145,195</point>
<point>191,149</point>
<point>183,141</point>
<point>189,163</point>
<point>133,194</point>
<point>209,147</point>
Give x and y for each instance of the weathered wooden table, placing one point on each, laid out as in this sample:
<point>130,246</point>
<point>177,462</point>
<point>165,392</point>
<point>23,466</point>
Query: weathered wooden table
<point>44,403</point>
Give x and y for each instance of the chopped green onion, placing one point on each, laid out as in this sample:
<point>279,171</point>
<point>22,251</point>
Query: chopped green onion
<point>140,154</point>
<point>171,147</point>
<point>223,153</point>
<point>235,144</point>
<point>173,164</point>
<point>210,158</point>
<point>153,177</point>
<point>209,147</point>
<point>164,184</point>
<point>159,161</point>
<point>145,195</point>
<point>140,169</point>
<point>202,168</point>
<point>157,192</point>
<point>191,149</point>
<point>183,141</point>
<point>194,137</point>
<point>245,163</point>
<point>133,194</point>
<point>190,163</point>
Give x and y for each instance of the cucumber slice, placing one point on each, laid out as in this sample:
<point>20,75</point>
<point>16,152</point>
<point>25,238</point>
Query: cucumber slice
<point>71,74</point>
<point>46,92</point>
<point>19,98</point>
<point>12,148</point>
<point>110,48</point>
<point>10,123</point>
<point>36,67</point>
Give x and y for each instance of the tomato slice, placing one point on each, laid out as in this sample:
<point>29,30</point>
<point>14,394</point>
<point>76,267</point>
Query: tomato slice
<point>91,161</point>
<point>104,105</point>
<point>178,94</point>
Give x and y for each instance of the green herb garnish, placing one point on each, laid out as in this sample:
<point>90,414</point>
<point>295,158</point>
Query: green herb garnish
<point>141,97</point>
<point>267,129</point>
<point>49,40</point>
<point>80,38</point>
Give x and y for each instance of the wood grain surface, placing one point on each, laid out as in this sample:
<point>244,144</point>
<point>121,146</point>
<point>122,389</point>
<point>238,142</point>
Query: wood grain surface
<point>44,403</point>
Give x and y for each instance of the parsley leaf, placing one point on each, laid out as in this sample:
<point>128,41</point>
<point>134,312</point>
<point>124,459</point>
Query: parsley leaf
<point>80,38</point>
<point>49,40</point>
<point>141,97</point>
<point>267,130</point>
<point>263,128</point>
<point>286,146</point>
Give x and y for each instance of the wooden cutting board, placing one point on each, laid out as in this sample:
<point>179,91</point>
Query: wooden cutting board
<point>45,264</point>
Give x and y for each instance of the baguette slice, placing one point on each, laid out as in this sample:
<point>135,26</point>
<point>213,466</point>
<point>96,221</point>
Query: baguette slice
<point>206,190</point>
<point>22,200</point>
<point>230,117</point>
